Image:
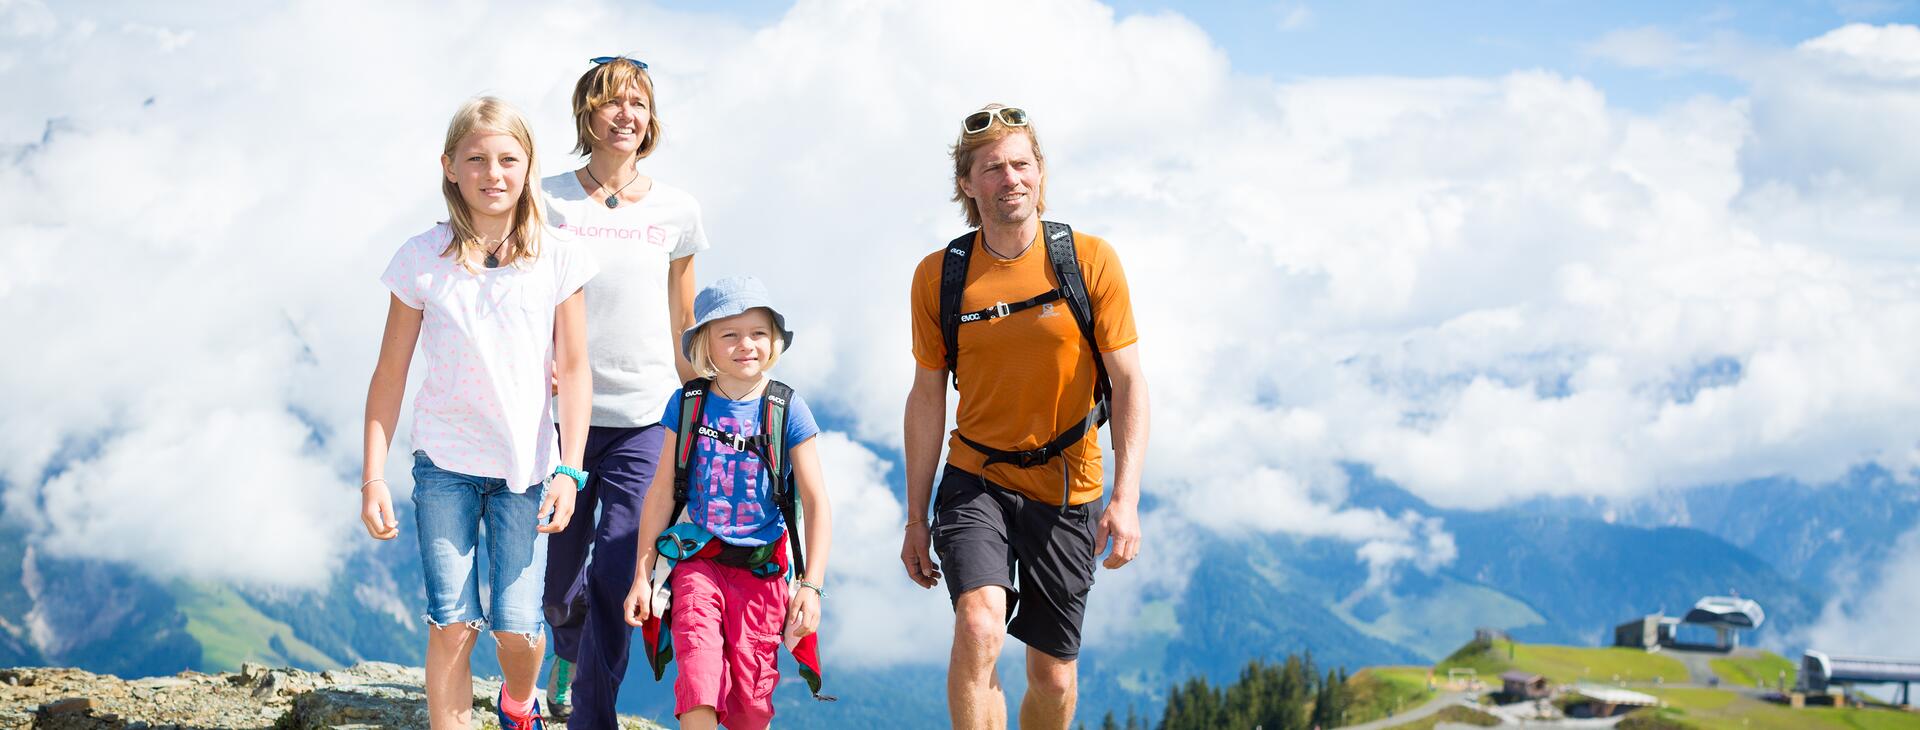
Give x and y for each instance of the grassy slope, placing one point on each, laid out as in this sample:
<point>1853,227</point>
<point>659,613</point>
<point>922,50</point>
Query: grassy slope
<point>1763,670</point>
<point>1716,709</point>
<point>231,631</point>
<point>1564,664</point>
<point>1707,709</point>
<point>1378,690</point>
<point>1455,714</point>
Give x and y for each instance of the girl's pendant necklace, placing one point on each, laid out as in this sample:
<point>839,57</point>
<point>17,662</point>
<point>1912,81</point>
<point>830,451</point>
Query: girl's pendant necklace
<point>613,199</point>
<point>493,258</point>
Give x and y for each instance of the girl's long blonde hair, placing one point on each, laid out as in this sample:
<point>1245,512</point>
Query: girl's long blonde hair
<point>490,115</point>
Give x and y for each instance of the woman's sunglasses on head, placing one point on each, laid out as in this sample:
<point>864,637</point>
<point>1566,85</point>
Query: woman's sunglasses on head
<point>982,120</point>
<point>604,60</point>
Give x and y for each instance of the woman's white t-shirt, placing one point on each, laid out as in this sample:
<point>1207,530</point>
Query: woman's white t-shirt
<point>485,406</point>
<point>629,333</point>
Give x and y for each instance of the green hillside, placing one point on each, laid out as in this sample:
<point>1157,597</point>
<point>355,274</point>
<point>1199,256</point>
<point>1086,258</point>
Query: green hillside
<point>1377,691</point>
<point>1710,709</point>
<point>1686,707</point>
<point>1762,671</point>
<point>231,631</point>
<point>1455,715</point>
<point>1563,664</point>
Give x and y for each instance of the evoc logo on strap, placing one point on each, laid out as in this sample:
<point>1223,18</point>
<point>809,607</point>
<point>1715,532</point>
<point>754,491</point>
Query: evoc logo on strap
<point>957,251</point>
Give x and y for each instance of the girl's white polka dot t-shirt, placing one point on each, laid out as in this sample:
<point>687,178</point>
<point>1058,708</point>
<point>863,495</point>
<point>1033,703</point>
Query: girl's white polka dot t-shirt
<point>485,406</point>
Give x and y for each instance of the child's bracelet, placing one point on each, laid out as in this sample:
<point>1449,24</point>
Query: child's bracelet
<point>382,480</point>
<point>817,590</point>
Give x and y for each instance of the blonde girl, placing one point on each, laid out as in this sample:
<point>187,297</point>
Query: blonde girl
<point>494,303</point>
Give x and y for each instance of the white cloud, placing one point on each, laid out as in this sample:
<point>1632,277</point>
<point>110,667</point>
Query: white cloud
<point>227,496</point>
<point>1293,15</point>
<point>26,18</point>
<point>1643,47</point>
<point>1878,621</point>
<point>877,616</point>
<point>1486,288</point>
<point>1890,52</point>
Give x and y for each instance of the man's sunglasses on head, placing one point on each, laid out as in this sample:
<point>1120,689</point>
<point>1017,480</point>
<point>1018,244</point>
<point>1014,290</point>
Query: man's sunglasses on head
<point>982,120</point>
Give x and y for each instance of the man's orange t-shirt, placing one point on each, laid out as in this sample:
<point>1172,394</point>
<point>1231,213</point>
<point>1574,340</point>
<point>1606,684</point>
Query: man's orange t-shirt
<point>1027,377</point>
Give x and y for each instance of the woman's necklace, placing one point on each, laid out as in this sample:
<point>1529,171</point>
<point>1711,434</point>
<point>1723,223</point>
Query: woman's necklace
<point>724,394</point>
<point>613,200</point>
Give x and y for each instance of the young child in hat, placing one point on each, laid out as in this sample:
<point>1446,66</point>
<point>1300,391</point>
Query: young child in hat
<point>743,446</point>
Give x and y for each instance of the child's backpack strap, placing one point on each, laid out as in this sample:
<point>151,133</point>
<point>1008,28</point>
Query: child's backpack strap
<point>953,282</point>
<point>693,402</point>
<point>773,426</point>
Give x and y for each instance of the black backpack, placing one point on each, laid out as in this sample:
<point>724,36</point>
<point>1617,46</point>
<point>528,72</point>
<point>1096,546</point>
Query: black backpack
<point>769,445</point>
<point>1070,288</point>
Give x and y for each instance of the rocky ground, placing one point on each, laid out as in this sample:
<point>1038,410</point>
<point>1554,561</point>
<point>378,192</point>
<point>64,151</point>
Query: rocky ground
<point>369,695</point>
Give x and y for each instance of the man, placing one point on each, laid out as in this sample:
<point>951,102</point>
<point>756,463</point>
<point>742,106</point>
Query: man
<point>1016,524</point>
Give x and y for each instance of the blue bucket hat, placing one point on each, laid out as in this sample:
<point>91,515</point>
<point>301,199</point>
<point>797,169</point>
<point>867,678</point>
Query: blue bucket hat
<point>728,297</point>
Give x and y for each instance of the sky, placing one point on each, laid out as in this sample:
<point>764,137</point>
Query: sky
<point>1493,254</point>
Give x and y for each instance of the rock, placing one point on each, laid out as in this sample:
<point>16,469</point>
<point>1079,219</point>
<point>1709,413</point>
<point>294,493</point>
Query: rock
<point>267,686</point>
<point>252,672</point>
<point>368,695</point>
<point>68,706</point>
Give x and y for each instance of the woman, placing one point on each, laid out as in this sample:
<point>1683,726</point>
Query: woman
<point>644,233</point>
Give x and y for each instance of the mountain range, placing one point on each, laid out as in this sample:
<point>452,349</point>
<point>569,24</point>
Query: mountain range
<point>1554,571</point>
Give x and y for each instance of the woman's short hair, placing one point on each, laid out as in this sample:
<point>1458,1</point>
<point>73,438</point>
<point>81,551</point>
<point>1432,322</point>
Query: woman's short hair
<point>602,84</point>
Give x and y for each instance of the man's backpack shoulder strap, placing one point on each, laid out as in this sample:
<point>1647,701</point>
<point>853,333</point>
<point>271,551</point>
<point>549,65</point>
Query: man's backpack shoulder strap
<point>953,282</point>
<point>1066,270</point>
<point>1073,288</point>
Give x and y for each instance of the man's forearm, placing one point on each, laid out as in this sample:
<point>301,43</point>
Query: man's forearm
<point>925,421</point>
<point>1130,426</point>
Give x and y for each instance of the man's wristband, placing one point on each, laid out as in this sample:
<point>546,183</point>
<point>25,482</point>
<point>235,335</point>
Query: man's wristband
<point>579,477</point>
<point>917,521</point>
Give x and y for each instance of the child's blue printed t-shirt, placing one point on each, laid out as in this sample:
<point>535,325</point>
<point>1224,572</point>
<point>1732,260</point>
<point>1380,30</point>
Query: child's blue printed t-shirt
<point>728,491</point>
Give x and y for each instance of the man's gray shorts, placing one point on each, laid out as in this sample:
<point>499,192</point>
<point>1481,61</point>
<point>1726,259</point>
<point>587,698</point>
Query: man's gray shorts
<point>1042,554</point>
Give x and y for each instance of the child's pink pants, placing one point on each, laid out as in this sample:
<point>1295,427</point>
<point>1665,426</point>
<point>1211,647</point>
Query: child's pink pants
<point>726,633</point>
